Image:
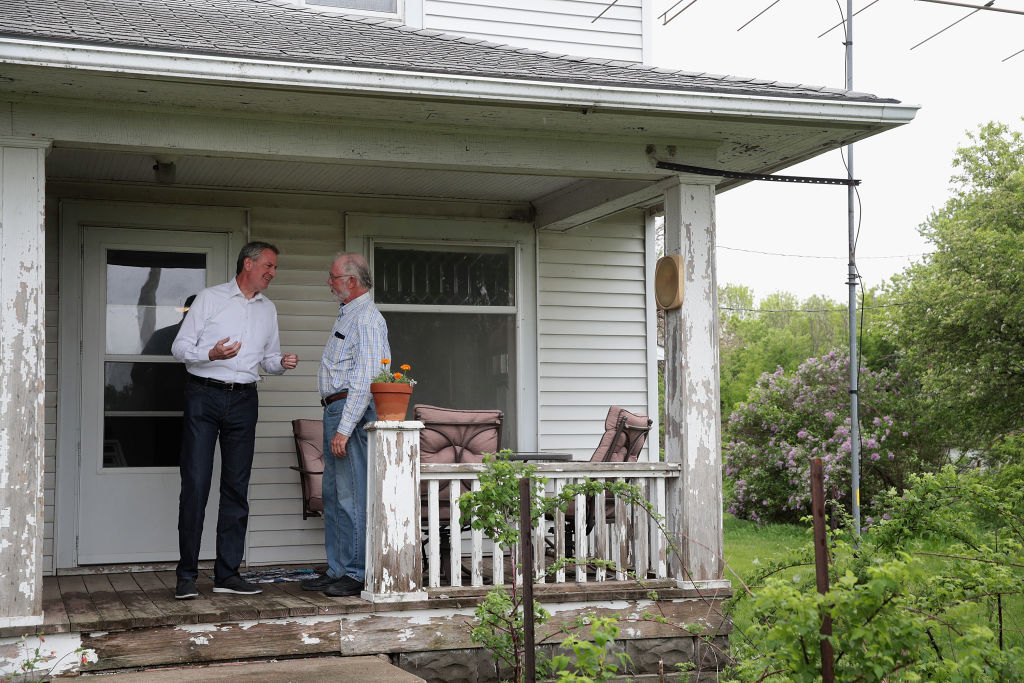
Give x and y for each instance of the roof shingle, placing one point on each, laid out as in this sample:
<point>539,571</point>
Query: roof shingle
<point>279,30</point>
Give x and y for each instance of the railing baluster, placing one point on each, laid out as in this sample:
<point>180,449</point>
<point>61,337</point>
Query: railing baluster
<point>623,537</point>
<point>600,534</point>
<point>641,547</point>
<point>660,554</point>
<point>558,531</point>
<point>580,536</point>
<point>478,548</point>
<point>455,533</point>
<point>434,535</point>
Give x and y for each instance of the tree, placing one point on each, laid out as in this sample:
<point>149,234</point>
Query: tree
<point>960,326</point>
<point>789,418</point>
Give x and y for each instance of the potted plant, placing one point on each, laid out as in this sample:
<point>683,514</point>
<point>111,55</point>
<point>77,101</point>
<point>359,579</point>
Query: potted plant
<point>391,391</point>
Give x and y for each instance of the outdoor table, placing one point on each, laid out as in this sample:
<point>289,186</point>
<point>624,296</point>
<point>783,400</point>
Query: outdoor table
<point>548,456</point>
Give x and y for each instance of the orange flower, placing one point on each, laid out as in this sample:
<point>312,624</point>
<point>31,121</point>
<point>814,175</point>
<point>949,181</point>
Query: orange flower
<point>385,361</point>
<point>406,367</point>
<point>397,375</point>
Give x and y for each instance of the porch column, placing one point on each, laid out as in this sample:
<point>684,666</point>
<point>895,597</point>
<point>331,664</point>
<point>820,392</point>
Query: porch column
<point>22,371</point>
<point>394,560</point>
<point>692,405</point>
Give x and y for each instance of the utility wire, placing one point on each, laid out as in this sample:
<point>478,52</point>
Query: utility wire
<point>811,256</point>
<point>613,3</point>
<point>840,309</point>
<point>988,4</point>
<point>664,14</point>
<point>757,15</point>
<point>841,23</point>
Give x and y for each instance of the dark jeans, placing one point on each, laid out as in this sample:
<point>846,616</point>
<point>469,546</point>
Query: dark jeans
<point>209,412</point>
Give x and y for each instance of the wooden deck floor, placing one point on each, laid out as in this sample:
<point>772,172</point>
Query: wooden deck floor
<point>109,602</point>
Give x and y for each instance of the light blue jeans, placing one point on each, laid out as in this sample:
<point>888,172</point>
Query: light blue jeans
<point>344,490</point>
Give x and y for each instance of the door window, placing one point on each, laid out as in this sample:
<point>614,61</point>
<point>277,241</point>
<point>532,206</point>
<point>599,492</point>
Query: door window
<point>147,297</point>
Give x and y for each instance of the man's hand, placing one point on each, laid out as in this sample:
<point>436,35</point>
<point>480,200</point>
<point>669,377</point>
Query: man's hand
<point>220,351</point>
<point>289,361</point>
<point>338,444</point>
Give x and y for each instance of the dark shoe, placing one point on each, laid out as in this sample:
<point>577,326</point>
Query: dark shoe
<point>344,587</point>
<point>317,584</point>
<point>235,584</point>
<point>185,589</point>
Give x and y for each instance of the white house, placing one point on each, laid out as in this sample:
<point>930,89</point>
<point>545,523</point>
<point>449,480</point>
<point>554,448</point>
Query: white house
<point>503,192</point>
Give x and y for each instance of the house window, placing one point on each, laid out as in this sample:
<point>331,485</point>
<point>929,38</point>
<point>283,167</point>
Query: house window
<point>451,314</point>
<point>384,6</point>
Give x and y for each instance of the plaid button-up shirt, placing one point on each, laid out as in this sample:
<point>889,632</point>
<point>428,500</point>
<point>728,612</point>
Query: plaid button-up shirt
<point>355,347</point>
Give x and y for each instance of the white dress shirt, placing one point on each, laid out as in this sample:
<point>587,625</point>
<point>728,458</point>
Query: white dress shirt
<point>221,312</point>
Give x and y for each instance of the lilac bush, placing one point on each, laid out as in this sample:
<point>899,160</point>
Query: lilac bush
<point>790,418</point>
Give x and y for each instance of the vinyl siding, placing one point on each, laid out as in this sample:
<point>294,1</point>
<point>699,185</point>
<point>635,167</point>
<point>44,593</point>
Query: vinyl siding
<point>560,26</point>
<point>308,230</point>
<point>592,330</point>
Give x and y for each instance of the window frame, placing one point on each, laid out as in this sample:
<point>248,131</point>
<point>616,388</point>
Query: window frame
<point>399,13</point>
<point>362,228</point>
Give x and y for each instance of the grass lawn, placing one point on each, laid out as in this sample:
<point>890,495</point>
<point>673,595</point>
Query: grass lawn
<point>747,543</point>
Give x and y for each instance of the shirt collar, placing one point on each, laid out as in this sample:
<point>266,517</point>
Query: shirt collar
<point>237,291</point>
<point>355,304</point>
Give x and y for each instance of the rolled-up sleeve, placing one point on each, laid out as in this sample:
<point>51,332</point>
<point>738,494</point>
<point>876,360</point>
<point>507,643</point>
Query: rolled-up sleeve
<point>271,361</point>
<point>186,344</point>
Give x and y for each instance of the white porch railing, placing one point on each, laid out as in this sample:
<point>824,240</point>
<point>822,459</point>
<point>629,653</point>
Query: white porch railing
<point>628,538</point>
<point>399,515</point>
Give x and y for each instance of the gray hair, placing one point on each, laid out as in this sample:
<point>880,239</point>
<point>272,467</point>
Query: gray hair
<point>252,252</point>
<point>354,264</point>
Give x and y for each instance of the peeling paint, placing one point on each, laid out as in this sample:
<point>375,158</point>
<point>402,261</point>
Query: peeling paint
<point>200,640</point>
<point>310,641</point>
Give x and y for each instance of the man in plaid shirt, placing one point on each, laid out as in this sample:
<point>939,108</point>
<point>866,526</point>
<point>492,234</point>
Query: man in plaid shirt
<point>352,357</point>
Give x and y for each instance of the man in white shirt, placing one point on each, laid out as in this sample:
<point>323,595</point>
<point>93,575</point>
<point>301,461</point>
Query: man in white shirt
<point>229,331</point>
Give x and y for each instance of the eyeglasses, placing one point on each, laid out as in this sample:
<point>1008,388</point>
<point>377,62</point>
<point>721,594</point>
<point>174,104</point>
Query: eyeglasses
<point>331,276</point>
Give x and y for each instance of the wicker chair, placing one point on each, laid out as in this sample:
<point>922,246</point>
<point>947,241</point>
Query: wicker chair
<point>309,444</point>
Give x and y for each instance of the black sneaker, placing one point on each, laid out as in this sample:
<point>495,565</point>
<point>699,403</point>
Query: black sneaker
<point>237,585</point>
<point>185,589</point>
<point>317,584</point>
<point>344,587</point>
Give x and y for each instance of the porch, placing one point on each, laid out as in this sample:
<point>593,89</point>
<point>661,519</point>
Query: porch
<point>131,620</point>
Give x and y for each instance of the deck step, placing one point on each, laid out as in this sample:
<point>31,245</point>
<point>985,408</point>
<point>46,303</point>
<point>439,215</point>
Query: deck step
<point>303,670</point>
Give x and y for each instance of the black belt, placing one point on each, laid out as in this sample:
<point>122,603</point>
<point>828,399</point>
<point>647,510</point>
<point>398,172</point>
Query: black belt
<point>226,386</point>
<point>333,397</point>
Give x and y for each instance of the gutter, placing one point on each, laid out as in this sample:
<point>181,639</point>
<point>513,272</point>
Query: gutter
<point>480,89</point>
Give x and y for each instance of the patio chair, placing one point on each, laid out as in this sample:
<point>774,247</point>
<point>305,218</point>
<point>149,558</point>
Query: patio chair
<point>309,445</point>
<point>454,436</point>
<point>625,434</point>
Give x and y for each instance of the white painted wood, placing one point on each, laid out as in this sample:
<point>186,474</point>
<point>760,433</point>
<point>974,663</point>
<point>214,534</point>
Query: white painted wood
<point>692,406</point>
<point>22,379</point>
<point>580,536</point>
<point>455,536</point>
<point>393,565</point>
<point>476,554</point>
<point>590,200</point>
<point>434,525</point>
<point>561,26</point>
<point>600,549</point>
<point>592,332</point>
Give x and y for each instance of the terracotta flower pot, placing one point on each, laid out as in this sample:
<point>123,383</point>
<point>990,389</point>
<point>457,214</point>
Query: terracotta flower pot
<point>391,400</point>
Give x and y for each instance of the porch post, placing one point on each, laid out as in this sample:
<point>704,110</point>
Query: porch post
<point>22,372</point>
<point>692,404</point>
<point>394,564</point>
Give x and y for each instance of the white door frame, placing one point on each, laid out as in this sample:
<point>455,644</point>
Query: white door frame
<point>75,216</point>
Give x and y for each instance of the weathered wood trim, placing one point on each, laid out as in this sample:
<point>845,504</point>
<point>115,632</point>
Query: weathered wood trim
<point>393,560</point>
<point>692,407</point>
<point>590,200</point>
<point>22,379</point>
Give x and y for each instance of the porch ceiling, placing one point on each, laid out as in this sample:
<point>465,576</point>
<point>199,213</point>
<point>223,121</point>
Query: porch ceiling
<point>94,165</point>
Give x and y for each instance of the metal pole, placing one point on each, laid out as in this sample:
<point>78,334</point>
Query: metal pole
<point>821,565</point>
<point>526,557</point>
<point>852,282</point>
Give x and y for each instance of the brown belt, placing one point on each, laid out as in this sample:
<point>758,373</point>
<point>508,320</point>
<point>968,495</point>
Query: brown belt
<point>333,397</point>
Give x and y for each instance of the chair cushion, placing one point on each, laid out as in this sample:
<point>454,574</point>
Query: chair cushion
<point>611,422</point>
<point>309,448</point>
<point>441,442</point>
